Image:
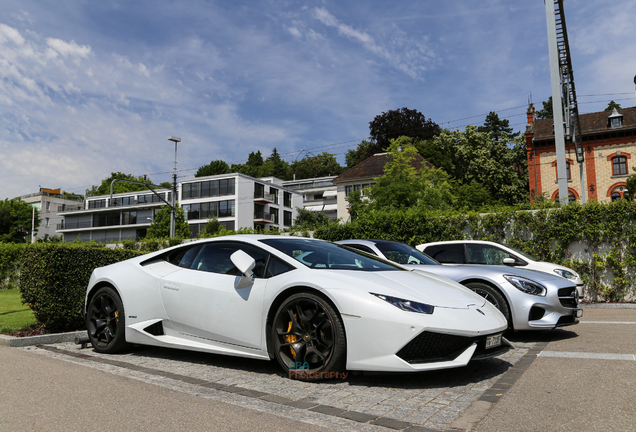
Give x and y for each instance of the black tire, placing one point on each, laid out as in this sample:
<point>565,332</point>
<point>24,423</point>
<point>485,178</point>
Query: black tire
<point>493,296</point>
<point>308,337</point>
<point>106,322</point>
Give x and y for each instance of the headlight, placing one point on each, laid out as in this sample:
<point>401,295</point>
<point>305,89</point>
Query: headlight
<point>406,305</point>
<point>526,285</point>
<point>565,273</point>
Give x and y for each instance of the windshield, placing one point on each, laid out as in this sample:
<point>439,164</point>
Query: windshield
<point>526,255</point>
<point>323,255</point>
<point>404,254</point>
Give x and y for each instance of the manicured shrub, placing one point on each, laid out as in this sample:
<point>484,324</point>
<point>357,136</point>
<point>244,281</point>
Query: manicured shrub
<point>54,278</point>
<point>10,262</point>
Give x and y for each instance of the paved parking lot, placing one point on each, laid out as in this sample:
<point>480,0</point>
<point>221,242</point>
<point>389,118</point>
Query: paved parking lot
<point>546,378</point>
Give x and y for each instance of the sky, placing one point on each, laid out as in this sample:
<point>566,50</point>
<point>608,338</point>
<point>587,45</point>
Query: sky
<point>88,88</point>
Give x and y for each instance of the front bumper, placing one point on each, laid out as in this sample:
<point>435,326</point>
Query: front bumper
<point>559,308</point>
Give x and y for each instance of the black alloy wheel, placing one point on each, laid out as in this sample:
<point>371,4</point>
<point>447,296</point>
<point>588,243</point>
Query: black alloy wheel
<point>308,335</point>
<point>105,321</point>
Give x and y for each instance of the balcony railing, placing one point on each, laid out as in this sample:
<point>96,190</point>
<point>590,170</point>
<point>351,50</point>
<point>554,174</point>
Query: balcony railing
<point>264,198</point>
<point>264,218</point>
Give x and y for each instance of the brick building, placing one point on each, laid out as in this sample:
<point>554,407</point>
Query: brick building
<point>608,140</point>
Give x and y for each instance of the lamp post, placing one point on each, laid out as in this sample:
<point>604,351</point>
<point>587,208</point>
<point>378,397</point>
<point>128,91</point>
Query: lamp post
<point>174,185</point>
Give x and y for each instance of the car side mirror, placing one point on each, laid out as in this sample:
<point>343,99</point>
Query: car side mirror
<point>509,261</point>
<point>244,263</point>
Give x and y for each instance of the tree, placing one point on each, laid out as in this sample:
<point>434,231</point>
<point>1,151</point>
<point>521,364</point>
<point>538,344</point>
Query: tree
<point>364,150</point>
<point>356,205</point>
<point>322,165</point>
<point>546,112</point>
<point>496,127</point>
<point>392,125</point>
<point>612,105</point>
<point>403,186</point>
<point>160,226</point>
<point>275,166</point>
<point>631,187</point>
<point>213,168</point>
<point>401,122</point>
<point>16,217</point>
<point>252,167</point>
<point>212,227</point>
<point>119,187</point>
<point>310,220</point>
<point>500,166</point>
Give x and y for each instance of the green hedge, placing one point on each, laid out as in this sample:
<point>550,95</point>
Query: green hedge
<point>10,262</point>
<point>54,278</point>
<point>607,231</point>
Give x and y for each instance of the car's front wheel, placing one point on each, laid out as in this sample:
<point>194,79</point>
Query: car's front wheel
<point>493,296</point>
<point>308,337</point>
<point>105,321</point>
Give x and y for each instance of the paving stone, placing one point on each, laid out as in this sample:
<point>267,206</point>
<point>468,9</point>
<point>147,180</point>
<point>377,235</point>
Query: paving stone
<point>357,416</point>
<point>390,423</point>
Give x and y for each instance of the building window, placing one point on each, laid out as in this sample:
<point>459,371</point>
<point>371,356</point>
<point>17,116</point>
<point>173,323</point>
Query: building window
<point>97,204</point>
<point>129,218</point>
<point>48,206</point>
<point>46,221</point>
<point>567,170</point>
<point>274,192</point>
<point>287,218</point>
<point>348,190</point>
<point>287,199</point>
<point>619,165</point>
<point>616,196</point>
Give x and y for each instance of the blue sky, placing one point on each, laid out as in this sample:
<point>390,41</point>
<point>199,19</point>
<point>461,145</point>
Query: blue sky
<point>92,87</point>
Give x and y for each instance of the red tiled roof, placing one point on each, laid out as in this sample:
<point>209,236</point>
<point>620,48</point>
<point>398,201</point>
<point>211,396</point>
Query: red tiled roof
<point>373,167</point>
<point>590,123</point>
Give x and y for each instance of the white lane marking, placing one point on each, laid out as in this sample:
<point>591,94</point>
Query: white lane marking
<point>591,356</point>
<point>607,322</point>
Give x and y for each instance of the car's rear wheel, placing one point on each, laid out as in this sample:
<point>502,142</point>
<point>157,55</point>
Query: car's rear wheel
<point>105,321</point>
<point>493,296</point>
<point>308,337</point>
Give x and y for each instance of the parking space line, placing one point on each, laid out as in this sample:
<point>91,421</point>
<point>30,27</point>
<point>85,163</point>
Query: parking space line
<point>607,322</point>
<point>586,355</point>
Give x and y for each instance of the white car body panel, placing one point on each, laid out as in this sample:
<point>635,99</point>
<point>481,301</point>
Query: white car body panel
<point>531,264</point>
<point>210,312</point>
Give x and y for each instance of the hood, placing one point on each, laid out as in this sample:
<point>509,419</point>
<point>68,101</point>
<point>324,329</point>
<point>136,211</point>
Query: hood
<point>412,285</point>
<point>461,272</point>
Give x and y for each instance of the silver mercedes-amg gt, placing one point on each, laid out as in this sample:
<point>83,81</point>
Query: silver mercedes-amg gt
<point>529,299</point>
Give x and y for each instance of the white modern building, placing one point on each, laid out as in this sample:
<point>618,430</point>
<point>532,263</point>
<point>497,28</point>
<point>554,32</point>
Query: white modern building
<point>236,200</point>
<point>126,217</point>
<point>48,202</point>
<point>319,194</point>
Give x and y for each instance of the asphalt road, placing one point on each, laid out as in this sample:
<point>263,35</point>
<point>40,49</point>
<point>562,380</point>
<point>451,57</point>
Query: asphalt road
<point>583,379</point>
<point>40,393</point>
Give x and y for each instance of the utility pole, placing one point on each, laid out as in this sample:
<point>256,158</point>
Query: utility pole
<point>174,185</point>
<point>562,83</point>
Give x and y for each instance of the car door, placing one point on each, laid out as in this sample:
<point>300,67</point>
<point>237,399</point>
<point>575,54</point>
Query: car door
<point>478,253</point>
<point>446,253</point>
<point>205,300</point>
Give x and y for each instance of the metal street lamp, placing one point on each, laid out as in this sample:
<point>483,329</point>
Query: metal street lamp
<point>174,185</point>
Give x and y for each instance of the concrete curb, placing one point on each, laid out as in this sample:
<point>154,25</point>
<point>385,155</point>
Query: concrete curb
<point>608,305</point>
<point>13,341</point>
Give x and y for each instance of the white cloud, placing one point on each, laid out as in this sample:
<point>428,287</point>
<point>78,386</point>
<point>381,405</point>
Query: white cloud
<point>68,49</point>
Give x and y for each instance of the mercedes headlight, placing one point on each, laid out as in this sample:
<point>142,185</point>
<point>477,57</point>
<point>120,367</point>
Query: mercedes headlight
<point>406,305</point>
<point>565,273</point>
<point>526,285</point>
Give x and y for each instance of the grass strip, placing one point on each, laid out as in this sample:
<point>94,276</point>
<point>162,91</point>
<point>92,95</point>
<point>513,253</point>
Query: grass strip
<point>14,315</point>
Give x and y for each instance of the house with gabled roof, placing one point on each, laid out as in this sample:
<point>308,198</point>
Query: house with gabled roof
<point>363,175</point>
<point>609,141</point>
